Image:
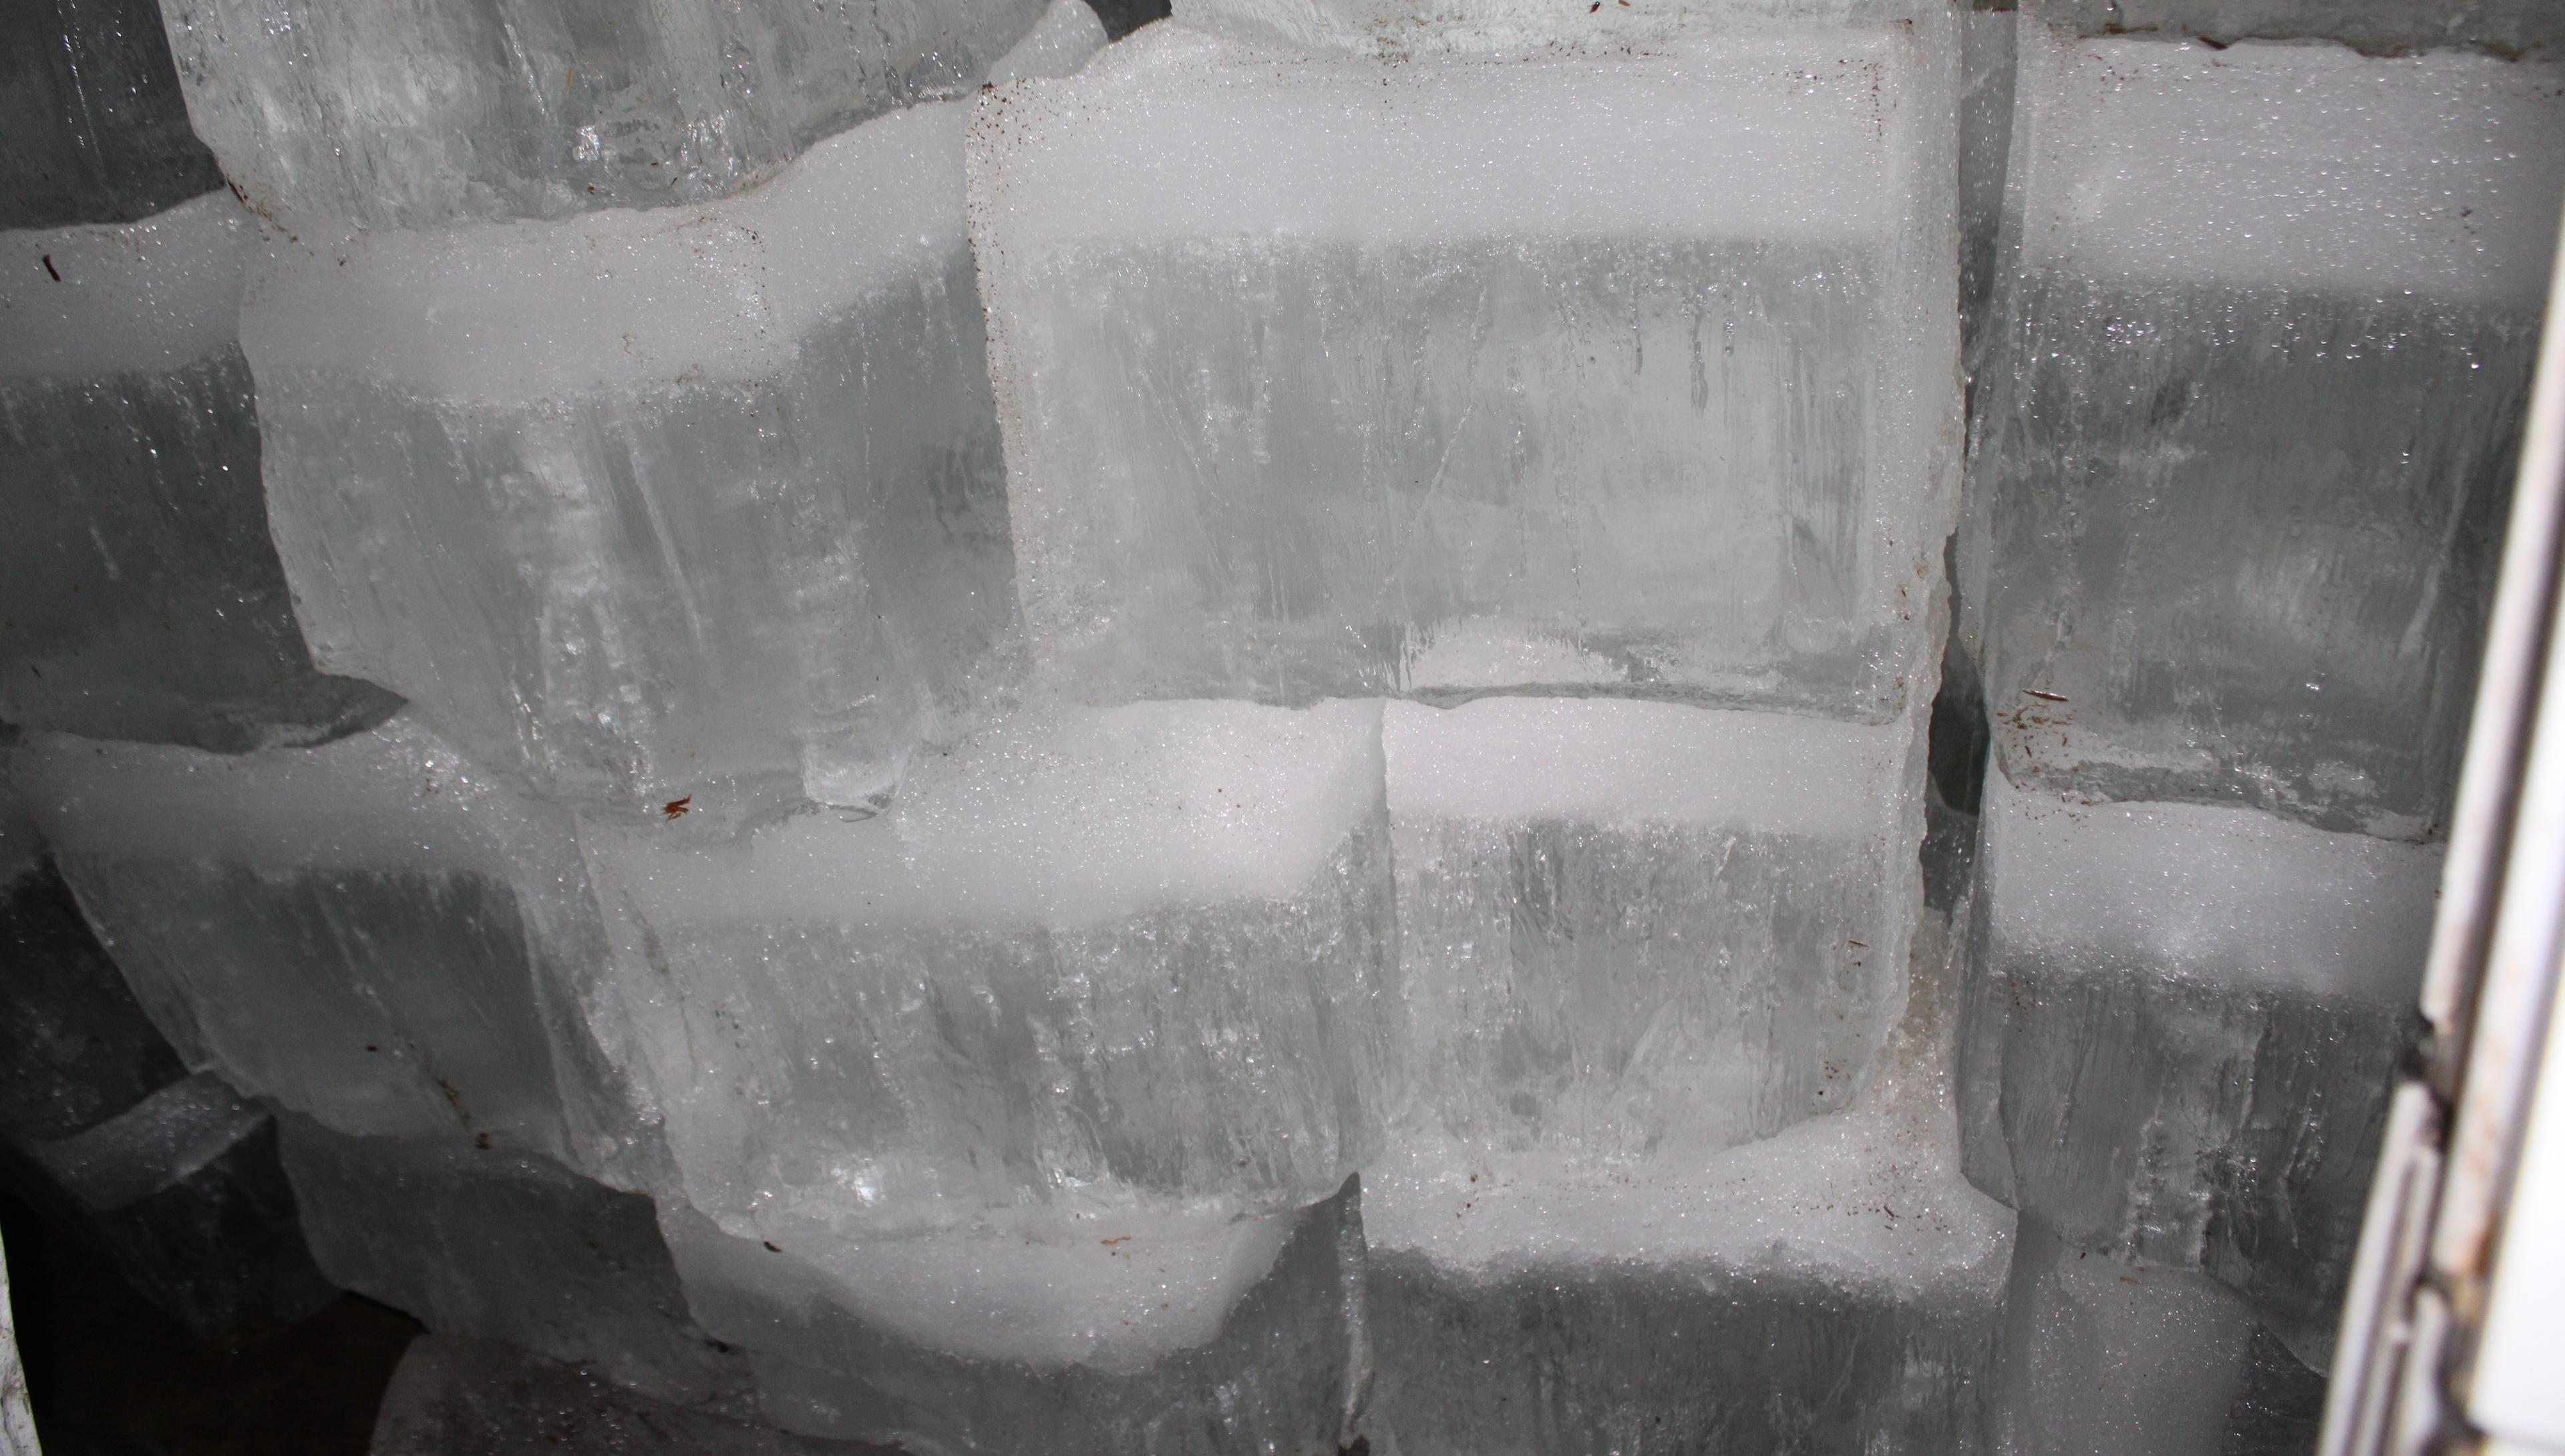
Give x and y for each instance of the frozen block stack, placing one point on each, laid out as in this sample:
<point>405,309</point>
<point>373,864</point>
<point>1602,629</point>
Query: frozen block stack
<point>140,597</point>
<point>432,112</point>
<point>2243,448</point>
<point>2180,1032</point>
<point>1031,1073</point>
<point>97,130</point>
<point>370,932</point>
<point>1599,371</point>
<point>172,1178</point>
<point>1322,375</point>
<point>483,1241</point>
<point>454,1396</point>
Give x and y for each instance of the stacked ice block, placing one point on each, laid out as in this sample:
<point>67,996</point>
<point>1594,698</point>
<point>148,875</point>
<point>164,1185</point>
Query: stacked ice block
<point>140,597</point>
<point>172,1178</point>
<point>2240,456</point>
<point>995,1115</point>
<point>1339,358</point>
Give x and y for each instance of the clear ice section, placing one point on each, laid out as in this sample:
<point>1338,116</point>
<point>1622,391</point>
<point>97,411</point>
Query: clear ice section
<point>1135,1333</point>
<point>97,130</point>
<point>2244,455</point>
<point>1638,933</point>
<point>454,1396</point>
<point>507,1245</point>
<point>1639,958</point>
<point>2182,1024</point>
<point>435,111</point>
<point>2532,28</point>
<point>1837,1287</point>
<point>1112,961</point>
<point>696,505</point>
<point>1369,410</point>
<point>371,932</point>
<point>140,597</point>
<point>183,1194</point>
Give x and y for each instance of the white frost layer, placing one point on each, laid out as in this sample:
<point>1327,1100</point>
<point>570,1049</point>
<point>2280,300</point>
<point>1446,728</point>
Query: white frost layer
<point>2289,165</point>
<point>1116,1293</point>
<point>623,299</point>
<point>1064,38</point>
<point>2192,889</point>
<point>97,299</point>
<point>1500,760</point>
<point>1859,1196</point>
<point>1797,137</point>
<point>1082,820</point>
<point>393,798</point>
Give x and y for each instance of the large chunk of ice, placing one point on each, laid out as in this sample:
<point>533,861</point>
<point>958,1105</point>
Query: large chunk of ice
<point>1324,375</point>
<point>425,113</point>
<point>1132,1332</point>
<point>1631,931</point>
<point>2505,27</point>
<point>2182,1026</point>
<point>183,1194</point>
<point>97,130</point>
<point>1128,959</point>
<point>140,597</point>
<point>1836,1287</point>
<point>2242,460</point>
<point>371,932</point>
<point>2104,1358</point>
<point>507,1245</point>
<point>696,503</point>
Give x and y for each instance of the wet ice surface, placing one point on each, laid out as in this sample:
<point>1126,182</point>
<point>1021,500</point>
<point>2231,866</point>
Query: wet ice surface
<point>1419,401</point>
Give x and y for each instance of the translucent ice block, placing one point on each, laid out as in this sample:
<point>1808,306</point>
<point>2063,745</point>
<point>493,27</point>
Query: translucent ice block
<point>2507,27</point>
<point>1324,375</point>
<point>435,111</point>
<point>1113,962</point>
<point>140,597</point>
<point>1834,1288</point>
<point>698,502</point>
<point>183,1194</point>
<point>509,1246</point>
<point>96,127</point>
<point>371,932</point>
<point>1166,1335</point>
<point>1636,932</point>
<point>2182,1024</point>
<point>2104,1358</point>
<point>2243,454</point>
